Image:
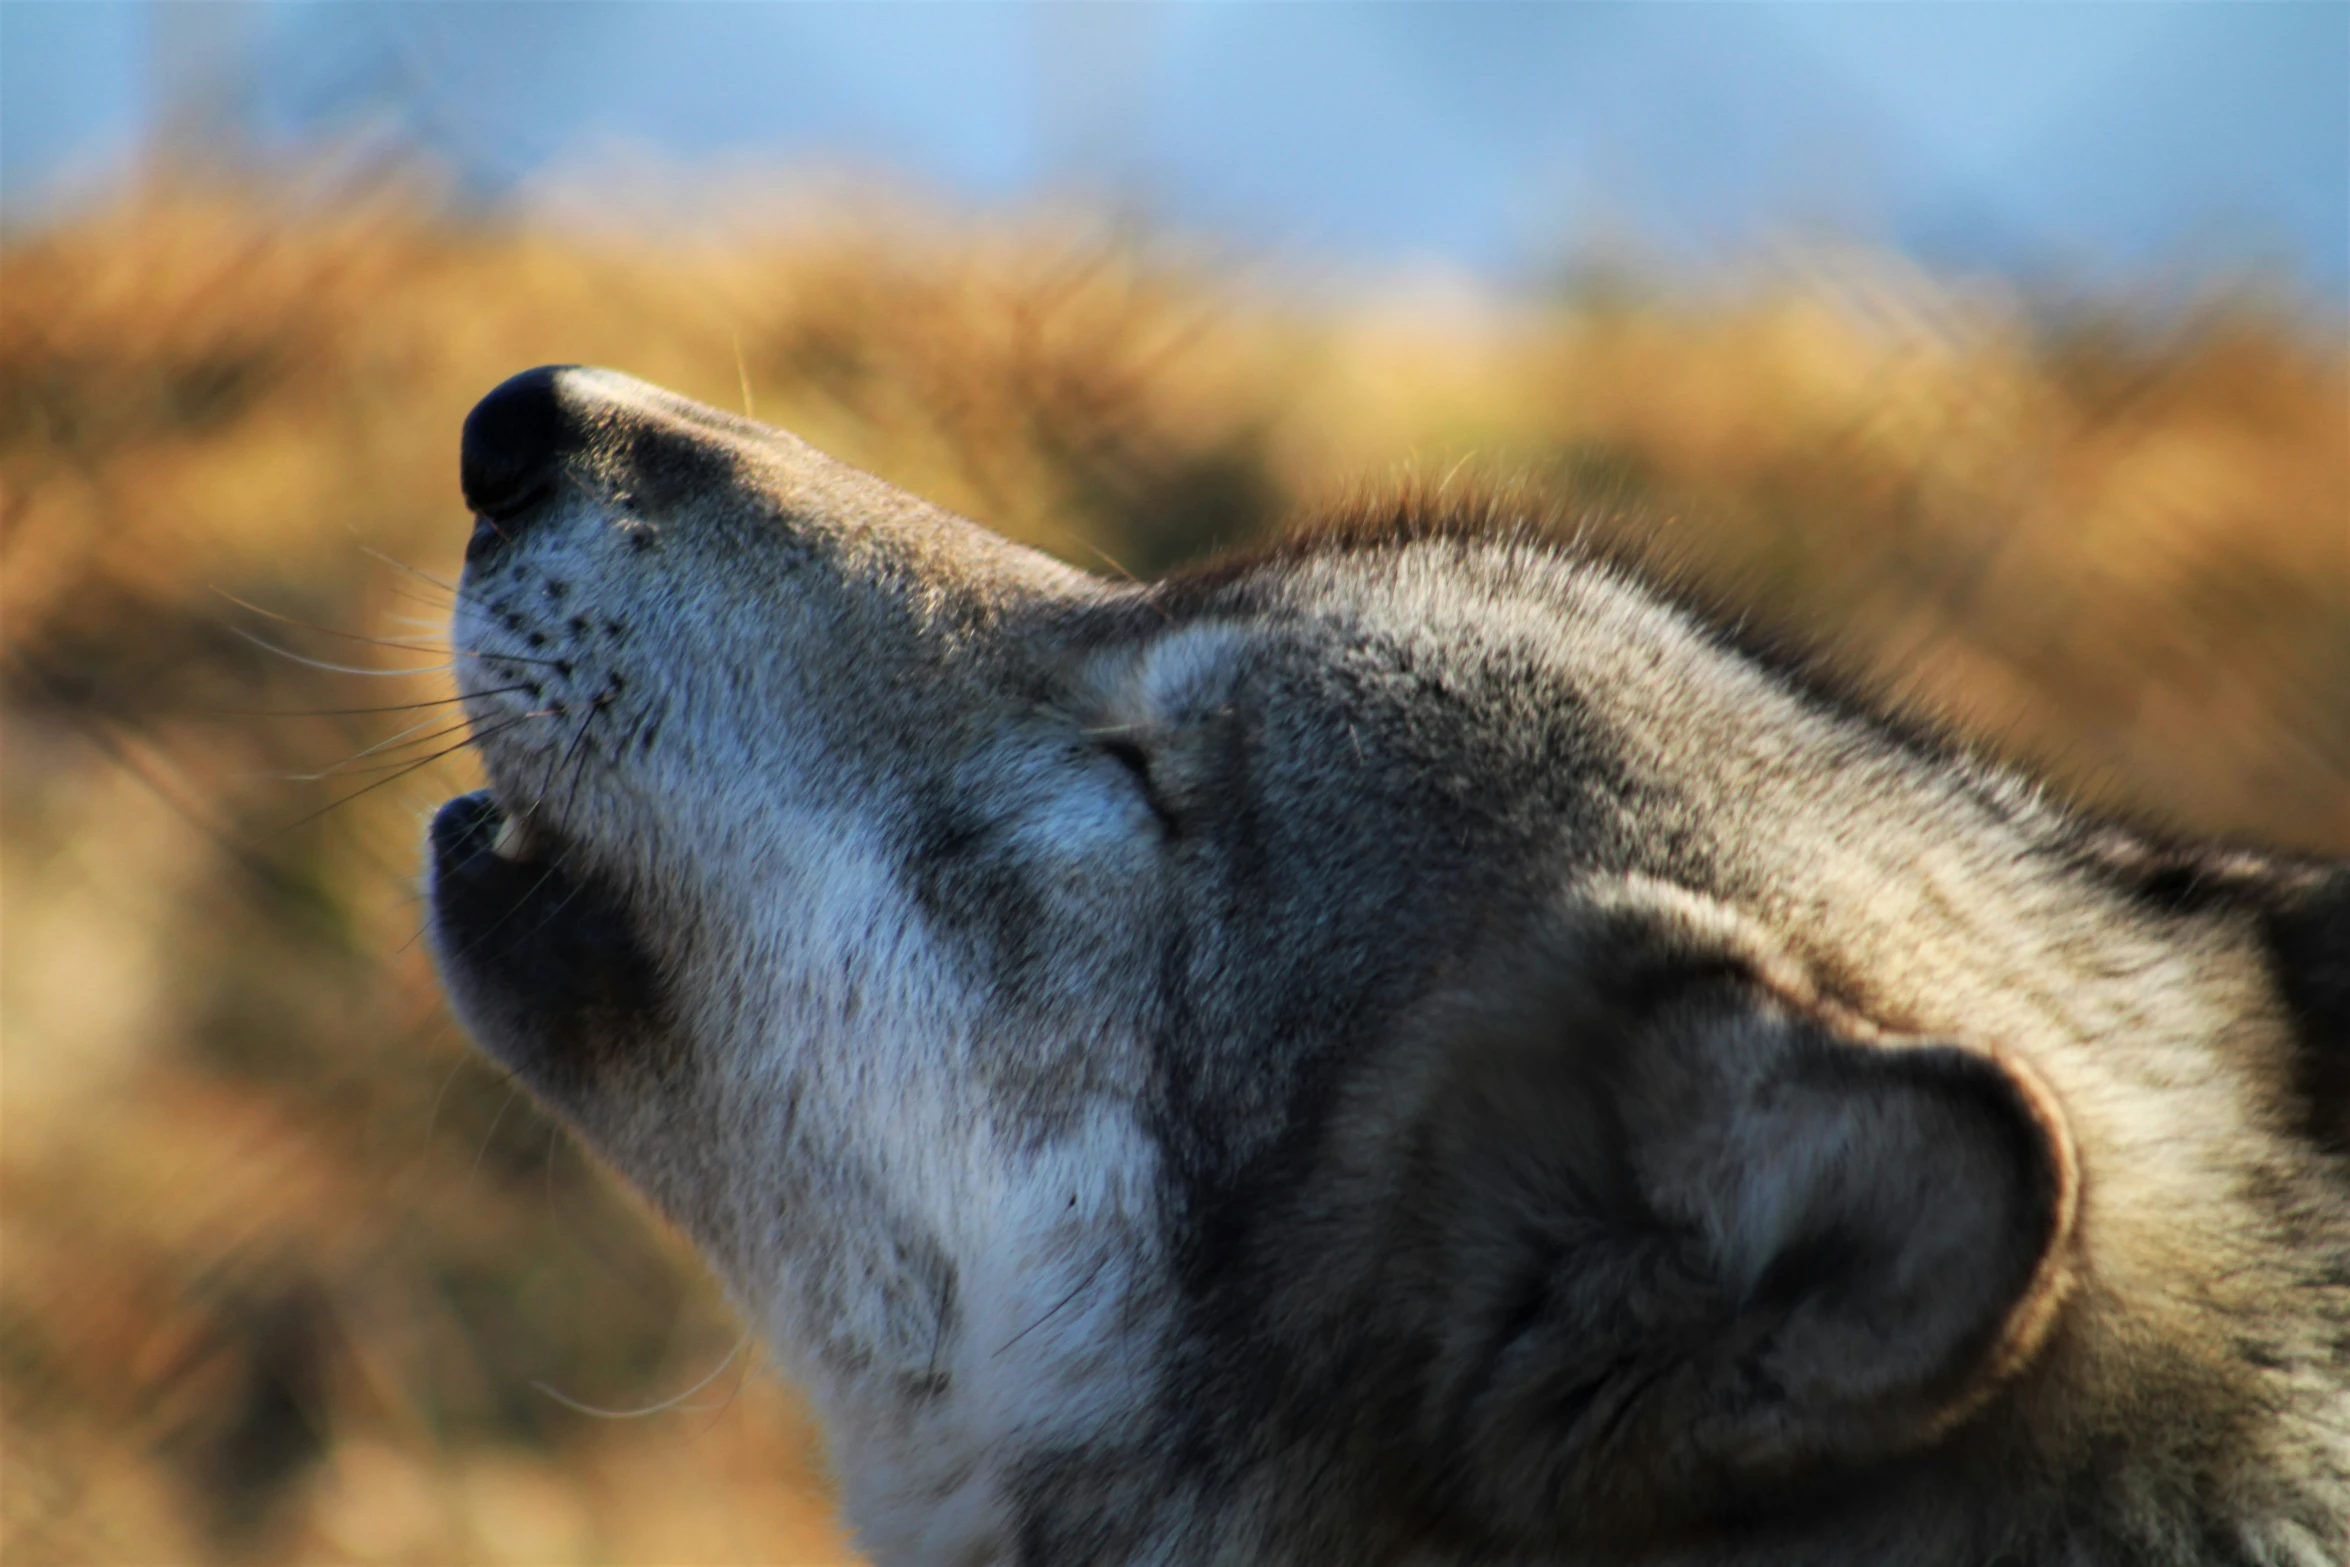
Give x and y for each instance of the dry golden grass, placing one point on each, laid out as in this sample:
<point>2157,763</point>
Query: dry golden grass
<point>284,1265</point>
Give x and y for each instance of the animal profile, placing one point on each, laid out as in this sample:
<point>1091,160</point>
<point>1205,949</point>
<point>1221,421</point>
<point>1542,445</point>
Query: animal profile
<point>1412,1045</point>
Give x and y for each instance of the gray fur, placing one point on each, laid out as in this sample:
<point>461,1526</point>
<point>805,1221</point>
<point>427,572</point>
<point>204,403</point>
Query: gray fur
<point>1406,1048</point>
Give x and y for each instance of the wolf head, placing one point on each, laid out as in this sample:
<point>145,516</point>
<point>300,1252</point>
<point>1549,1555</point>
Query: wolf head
<point>1408,1046</point>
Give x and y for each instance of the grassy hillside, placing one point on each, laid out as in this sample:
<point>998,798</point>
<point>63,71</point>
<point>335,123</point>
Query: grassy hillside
<point>289,1275</point>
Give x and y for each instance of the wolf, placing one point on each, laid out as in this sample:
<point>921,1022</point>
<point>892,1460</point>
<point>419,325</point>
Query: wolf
<point>1414,1045</point>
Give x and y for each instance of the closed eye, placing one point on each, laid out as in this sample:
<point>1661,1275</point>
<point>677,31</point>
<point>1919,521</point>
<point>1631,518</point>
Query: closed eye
<point>1127,754</point>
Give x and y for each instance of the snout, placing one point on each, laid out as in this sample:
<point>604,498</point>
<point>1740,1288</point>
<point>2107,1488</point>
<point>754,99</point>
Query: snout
<point>564,429</point>
<point>574,442</point>
<point>678,628</point>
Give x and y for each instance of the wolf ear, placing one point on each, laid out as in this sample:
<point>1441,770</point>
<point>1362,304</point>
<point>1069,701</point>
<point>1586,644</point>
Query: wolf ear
<point>1679,1235</point>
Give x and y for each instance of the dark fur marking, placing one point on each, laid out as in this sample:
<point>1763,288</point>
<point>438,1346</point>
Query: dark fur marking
<point>2308,930</point>
<point>551,949</point>
<point>2300,909</point>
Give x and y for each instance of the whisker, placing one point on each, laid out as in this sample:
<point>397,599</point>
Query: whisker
<point>743,373</point>
<point>490,1136</point>
<point>394,778</point>
<point>542,712</point>
<point>1149,589</point>
<point>1079,1288</point>
<point>675,1401</point>
<point>442,583</point>
<point>563,759</point>
<point>432,1117</point>
<point>335,669</point>
<point>421,669</point>
<point>442,607</point>
<point>355,712</point>
<point>327,631</point>
<point>509,658</point>
<point>741,1381</point>
<point>579,770</point>
<point>1115,564</point>
<point>381,745</point>
<point>345,768</point>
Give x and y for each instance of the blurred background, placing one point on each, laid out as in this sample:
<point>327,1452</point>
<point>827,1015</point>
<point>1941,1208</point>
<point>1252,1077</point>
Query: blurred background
<point>1998,350</point>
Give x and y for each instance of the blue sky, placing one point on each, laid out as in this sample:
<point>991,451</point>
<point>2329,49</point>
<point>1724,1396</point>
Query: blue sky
<point>2137,139</point>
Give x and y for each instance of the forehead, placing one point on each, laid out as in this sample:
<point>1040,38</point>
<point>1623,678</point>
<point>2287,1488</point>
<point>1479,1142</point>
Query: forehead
<point>1470,637</point>
<point>1476,594</point>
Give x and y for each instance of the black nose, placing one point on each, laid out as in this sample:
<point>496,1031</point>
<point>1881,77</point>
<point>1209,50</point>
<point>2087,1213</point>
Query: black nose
<point>515,442</point>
